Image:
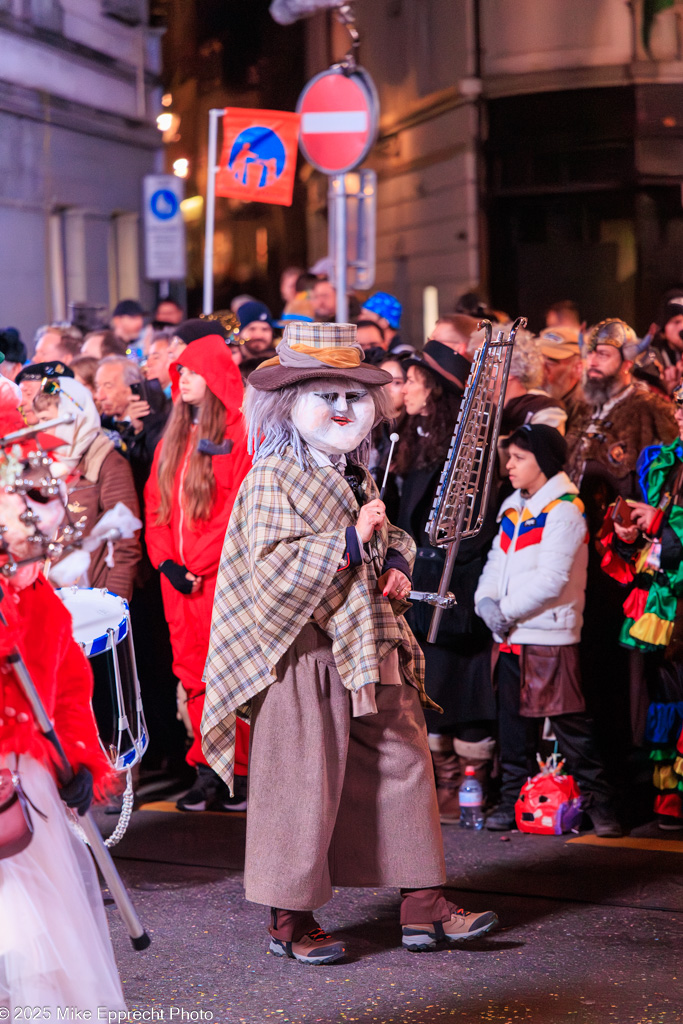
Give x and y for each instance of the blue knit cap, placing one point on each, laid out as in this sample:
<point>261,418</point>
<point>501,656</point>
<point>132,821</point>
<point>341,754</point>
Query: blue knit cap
<point>386,306</point>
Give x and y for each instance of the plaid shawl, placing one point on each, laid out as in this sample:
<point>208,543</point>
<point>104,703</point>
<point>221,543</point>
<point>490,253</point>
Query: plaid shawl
<point>280,568</point>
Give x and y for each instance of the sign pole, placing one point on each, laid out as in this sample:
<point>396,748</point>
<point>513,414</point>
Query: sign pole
<point>207,304</point>
<point>337,196</point>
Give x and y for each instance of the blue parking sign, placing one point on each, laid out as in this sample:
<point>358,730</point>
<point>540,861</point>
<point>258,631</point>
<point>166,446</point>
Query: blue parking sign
<point>164,228</point>
<point>164,204</point>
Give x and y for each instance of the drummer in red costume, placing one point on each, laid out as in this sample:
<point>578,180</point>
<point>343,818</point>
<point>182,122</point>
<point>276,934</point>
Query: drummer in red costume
<point>198,468</point>
<point>54,942</point>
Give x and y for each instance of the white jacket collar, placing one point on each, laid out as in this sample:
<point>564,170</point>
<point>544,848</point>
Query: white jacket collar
<point>554,488</point>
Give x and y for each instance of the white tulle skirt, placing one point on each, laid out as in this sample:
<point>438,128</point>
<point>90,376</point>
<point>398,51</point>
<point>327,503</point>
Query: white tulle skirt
<point>55,949</point>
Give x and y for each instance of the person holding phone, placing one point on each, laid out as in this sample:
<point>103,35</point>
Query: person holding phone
<point>646,549</point>
<point>134,412</point>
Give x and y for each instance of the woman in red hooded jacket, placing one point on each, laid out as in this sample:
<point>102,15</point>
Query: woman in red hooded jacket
<point>198,467</point>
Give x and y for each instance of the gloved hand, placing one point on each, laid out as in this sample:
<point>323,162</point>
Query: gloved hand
<point>177,576</point>
<point>489,611</point>
<point>78,792</point>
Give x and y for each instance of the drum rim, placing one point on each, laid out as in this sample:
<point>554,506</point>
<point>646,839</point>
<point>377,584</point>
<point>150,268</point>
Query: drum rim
<point>105,641</point>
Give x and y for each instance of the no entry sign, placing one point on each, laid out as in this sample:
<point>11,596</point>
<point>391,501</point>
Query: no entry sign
<point>339,115</point>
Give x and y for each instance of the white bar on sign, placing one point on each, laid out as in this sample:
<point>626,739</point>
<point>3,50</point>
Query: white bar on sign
<point>331,122</point>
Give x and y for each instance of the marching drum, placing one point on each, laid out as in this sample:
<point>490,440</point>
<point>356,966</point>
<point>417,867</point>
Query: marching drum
<point>101,627</point>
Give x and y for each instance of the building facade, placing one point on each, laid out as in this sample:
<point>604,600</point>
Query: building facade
<point>528,149</point>
<point>79,97</point>
<point>219,54</point>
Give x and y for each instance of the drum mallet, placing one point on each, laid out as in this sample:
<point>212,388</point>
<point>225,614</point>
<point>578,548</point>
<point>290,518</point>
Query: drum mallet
<point>393,438</point>
<point>138,936</point>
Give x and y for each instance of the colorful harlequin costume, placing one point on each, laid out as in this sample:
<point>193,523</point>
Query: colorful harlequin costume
<point>605,441</point>
<point>655,568</point>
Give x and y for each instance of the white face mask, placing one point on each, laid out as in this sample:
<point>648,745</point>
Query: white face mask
<point>334,415</point>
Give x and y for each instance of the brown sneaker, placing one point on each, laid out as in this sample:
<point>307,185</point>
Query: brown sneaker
<point>315,947</point>
<point>462,927</point>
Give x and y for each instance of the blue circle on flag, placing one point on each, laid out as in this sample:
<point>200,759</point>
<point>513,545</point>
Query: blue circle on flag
<point>164,204</point>
<point>260,147</point>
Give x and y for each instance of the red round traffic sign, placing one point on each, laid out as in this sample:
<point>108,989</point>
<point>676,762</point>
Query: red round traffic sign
<point>339,114</point>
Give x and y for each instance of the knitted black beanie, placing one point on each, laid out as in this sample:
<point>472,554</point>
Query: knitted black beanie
<point>545,443</point>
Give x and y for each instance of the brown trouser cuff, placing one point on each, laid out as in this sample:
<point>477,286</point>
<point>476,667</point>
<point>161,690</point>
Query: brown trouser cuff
<point>290,925</point>
<point>422,906</point>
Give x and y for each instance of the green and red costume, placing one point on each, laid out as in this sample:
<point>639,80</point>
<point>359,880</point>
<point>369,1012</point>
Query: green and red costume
<point>655,568</point>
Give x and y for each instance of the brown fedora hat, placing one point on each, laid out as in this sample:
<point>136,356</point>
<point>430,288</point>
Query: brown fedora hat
<point>310,351</point>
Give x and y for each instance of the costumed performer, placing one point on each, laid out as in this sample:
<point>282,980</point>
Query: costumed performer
<point>648,552</point>
<point>55,949</point>
<point>308,627</point>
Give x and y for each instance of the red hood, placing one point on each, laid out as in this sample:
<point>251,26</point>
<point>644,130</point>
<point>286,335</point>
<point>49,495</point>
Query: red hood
<point>211,358</point>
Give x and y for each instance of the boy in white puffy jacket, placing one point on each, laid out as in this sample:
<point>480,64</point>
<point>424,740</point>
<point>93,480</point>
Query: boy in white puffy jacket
<point>531,595</point>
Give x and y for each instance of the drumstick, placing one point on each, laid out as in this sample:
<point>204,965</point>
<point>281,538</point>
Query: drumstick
<point>393,438</point>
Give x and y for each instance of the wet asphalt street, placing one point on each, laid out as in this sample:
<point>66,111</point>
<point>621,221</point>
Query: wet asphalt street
<point>591,931</point>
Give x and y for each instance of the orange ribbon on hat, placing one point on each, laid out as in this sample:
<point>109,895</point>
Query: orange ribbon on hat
<point>340,357</point>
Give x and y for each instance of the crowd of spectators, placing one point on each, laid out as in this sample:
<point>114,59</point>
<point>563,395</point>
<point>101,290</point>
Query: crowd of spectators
<point>567,600</point>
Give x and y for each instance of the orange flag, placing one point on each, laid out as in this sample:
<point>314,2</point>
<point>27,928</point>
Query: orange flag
<point>258,162</point>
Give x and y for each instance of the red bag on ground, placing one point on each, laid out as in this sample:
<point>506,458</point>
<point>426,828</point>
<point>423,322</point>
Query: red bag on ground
<point>548,804</point>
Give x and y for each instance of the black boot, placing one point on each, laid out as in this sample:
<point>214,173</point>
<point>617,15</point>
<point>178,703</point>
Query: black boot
<point>605,821</point>
<point>207,786</point>
<point>502,819</point>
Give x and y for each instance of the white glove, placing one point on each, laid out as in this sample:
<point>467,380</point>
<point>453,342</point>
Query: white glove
<point>489,611</point>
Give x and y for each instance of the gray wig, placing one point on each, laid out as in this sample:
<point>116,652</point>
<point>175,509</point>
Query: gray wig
<point>270,429</point>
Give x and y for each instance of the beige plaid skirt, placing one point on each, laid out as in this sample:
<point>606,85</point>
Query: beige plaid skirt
<point>336,800</point>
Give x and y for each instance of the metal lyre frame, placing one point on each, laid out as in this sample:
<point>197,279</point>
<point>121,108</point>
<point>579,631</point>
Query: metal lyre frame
<point>462,495</point>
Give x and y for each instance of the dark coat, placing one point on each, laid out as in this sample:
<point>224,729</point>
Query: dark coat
<point>604,445</point>
<point>458,667</point>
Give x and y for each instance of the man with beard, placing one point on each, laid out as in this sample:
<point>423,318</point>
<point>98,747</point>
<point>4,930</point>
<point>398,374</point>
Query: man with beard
<point>621,416</point>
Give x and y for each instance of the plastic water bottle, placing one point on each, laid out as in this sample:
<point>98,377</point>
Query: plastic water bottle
<point>471,801</point>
